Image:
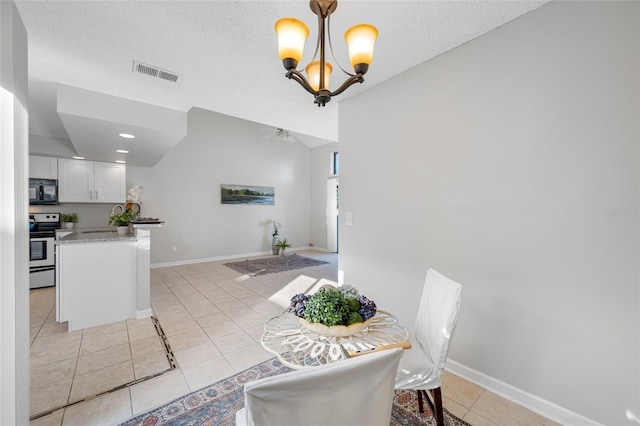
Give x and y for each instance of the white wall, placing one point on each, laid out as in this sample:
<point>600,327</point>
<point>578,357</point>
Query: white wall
<point>503,164</point>
<point>14,237</point>
<point>185,191</point>
<point>321,163</point>
<point>50,146</point>
<point>142,176</point>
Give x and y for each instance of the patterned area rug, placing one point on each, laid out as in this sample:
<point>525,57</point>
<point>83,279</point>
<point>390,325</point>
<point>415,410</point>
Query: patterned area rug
<point>270,265</point>
<point>217,404</point>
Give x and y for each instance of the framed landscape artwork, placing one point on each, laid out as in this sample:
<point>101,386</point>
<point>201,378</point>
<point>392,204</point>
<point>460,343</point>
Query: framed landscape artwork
<point>244,194</point>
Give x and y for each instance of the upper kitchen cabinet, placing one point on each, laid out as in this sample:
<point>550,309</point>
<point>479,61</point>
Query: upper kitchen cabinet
<point>43,167</point>
<point>110,182</point>
<point>81,181</point>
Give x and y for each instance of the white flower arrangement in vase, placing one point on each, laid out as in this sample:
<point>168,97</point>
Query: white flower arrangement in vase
<point>275,240</point>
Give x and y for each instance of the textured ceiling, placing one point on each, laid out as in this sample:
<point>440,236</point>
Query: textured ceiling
<point>226,53</point>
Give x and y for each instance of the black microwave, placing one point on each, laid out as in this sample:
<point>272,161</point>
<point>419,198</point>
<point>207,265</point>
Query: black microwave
<point>43,191</point>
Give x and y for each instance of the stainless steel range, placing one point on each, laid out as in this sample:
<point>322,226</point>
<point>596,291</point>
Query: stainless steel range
<point>42,259</point>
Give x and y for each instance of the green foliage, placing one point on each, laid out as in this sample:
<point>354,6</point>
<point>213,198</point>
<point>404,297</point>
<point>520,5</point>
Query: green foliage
<point>328,307</point>
<point>354,317</point>
<point>69,217</point>
<point>228,192</point>
<point>353,303</point>
<point>283,244</point>
<point>122,219</point>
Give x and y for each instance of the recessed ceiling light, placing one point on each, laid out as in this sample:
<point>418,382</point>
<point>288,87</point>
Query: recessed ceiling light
<point>77,157</point>
<point>121,161</point>
<point>126,136</point>
<point>122,151</point>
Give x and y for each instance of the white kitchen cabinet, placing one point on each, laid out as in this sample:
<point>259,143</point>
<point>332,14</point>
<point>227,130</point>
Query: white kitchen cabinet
<point>97,283</point>
<point>103,277</point>
<point>43,167</point>
<point>75,181</point>
<point>81,181</point>
<point>110,182</point>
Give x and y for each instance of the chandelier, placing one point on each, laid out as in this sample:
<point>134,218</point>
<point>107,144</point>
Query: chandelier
<point>292,34</point>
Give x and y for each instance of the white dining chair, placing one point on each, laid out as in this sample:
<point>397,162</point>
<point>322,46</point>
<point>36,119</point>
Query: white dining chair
<point>421,368</point>
<point>356,391</point>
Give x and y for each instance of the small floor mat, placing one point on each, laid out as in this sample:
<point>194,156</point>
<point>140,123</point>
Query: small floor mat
<point>273,264</point>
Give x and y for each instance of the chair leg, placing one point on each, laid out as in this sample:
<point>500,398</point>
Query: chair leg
<point>420,403</point>
<point>438,412</point>
<point>422,395</point>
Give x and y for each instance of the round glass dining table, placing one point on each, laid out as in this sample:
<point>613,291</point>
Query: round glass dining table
<point>297,347</point>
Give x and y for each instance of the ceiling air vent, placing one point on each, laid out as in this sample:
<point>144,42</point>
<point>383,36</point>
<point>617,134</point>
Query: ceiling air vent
<point>154,71</point>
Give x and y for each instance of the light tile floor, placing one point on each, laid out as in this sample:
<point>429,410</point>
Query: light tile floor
<point>213,319</point>
<point>69,367</point>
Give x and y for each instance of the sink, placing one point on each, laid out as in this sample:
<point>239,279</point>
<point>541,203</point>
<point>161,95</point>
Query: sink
<point>94,232</point>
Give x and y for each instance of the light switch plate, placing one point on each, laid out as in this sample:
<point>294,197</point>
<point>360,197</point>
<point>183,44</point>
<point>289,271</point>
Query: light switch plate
<point>349,219</point>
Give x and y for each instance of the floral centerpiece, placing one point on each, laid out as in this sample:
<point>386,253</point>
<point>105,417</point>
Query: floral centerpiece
<point>332,311</point>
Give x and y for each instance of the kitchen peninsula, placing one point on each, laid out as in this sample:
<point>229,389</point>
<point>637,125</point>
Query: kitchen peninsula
<point>103,277</point>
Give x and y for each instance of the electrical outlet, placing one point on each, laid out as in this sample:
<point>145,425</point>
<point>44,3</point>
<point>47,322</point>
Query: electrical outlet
<point>173,248</point>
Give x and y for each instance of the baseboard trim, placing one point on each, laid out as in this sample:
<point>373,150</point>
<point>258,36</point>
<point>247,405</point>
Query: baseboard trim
<point>316,248</point>
<point>532,402</point>
<point>208,259</point>
<point>228,257</point>
<point>145,313</point>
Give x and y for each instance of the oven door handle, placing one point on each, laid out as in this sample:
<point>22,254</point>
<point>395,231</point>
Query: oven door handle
<point>41,268</point>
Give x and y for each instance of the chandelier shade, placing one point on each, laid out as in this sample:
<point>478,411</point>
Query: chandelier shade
<point>313,71</point>
<point>361,40</point>
<point>292,34</point>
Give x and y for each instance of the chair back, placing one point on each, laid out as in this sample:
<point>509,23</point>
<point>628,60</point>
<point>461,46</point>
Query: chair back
<point>437,316</point>
<point>356,391</point>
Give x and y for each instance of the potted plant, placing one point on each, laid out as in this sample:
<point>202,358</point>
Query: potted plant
<point>282,245</point>
<point>69,219</point>
<point>121,221</point>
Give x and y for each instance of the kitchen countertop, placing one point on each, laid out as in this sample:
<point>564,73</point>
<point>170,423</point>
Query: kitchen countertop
<point>84,236</point>
<point>103,234</point>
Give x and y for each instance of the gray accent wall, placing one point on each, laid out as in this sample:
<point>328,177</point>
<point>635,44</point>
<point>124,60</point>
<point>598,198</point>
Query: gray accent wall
<point>510,164</point>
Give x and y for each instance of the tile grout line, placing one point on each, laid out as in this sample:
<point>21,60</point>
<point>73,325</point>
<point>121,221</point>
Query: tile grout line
<point>483,390</point>
<point>186,277</point>
<point>63,407</point>
<point>41,325</point>
<point>165,342</point>
<point>128,385</point>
